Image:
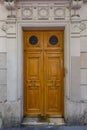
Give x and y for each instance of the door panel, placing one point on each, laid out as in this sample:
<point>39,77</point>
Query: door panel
<point>33,82</point>
<point>53,65</point>
<point>53,40</point>
<point>33,40</point>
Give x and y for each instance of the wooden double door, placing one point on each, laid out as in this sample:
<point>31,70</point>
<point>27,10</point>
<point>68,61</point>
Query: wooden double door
<point>43,72</point>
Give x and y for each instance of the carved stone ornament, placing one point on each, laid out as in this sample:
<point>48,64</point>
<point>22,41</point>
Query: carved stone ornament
<point>9,4</point>
<point>43,12</point>
<point>27,12</point>
<point>76,4</point>
<point>82,26</point>
<point>59,12</point>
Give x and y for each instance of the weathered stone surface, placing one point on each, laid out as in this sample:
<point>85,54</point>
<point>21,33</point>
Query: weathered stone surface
<point>0,123</point>
<point>84,92</point>
<point>3,45</point>
<point>83,76</point>
<point>3,93</point>
<point>3,76</point>
<point>1,114</point>
<point>83,60</point>
<point>12,114</point>
<point>75,46</point>
<point>75,78</point>
<point>3,60</point>
<point>73,115</point>
<point>83,44</point>
<point>76,113</point>
<point>12,70</point>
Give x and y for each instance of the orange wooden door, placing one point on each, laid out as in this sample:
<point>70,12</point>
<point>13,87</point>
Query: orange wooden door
<point>43,72</point>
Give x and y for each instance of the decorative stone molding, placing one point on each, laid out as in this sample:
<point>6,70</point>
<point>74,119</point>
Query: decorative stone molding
<point>76,4</point>
<point>44,11</point>
<point>27,13</point>
<point>4,27</point>
<point>9,4</point>
<point>82,26</point>
<point>75,29</point>
<point>59,12</point>
<point>75,7</point>
<point>37,10</point>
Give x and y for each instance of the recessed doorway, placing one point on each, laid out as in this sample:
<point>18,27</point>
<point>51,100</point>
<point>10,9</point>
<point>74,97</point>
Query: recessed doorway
<point>43,72</point>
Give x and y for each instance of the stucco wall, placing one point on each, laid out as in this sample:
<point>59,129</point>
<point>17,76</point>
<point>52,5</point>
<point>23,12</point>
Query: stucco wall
<point>75,57</point>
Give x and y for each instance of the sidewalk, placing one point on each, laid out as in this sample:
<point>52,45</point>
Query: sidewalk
<point>49,128</point>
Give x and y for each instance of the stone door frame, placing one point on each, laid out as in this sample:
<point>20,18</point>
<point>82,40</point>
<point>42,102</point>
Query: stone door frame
<point>40,26</point>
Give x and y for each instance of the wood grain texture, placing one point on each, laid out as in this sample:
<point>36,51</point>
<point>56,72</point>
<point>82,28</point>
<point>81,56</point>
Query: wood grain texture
<point>43,74</point>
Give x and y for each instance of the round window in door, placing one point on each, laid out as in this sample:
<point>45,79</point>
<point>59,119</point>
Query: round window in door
<point>33,40</point>
<point>53,40</point>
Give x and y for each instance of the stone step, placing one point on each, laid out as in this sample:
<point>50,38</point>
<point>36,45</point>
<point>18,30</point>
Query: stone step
<point>35,122</point>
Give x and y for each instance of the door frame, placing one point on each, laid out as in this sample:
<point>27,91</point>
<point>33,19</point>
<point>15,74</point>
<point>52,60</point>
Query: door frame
<point>46,26</point>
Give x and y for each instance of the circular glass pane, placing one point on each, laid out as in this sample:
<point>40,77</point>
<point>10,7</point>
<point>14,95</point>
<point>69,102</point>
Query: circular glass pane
<point>53,40</point>
<point>33,40</point>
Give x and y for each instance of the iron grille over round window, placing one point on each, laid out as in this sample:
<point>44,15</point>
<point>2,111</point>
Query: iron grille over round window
<point>53,40</point>
<point>33,40</point>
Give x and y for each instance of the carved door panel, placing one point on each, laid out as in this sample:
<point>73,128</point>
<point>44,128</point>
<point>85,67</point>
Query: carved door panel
<point>33,40</point>
<point>33,82</point>
<point>53,66</point>
<point>53,40</point>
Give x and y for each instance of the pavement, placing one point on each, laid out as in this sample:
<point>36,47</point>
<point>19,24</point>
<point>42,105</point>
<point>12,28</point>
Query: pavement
<point>48,128</point>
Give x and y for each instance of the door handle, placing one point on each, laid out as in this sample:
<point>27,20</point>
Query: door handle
<point>33,83</point>
<point>53,84</point>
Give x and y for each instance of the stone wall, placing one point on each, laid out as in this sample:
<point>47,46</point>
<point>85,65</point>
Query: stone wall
<point>11,68</point>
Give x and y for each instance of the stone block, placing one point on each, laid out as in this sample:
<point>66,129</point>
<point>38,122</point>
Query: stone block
<point>12,77</point>
<point>0,120</point>
<point>75,46</point>
<point>76,112</point>
<point>83,11</point>
<point>12,114</point>
<point>83,60</point>
<point>73,112</point>
<point>0,123</point>
<point>84,92</point>
<point>3,60</point>
<point>83,76</point>
<point>75,78</point>
<point>83,44</point>
<point>4,12</point>
<point>84,113</point>
<point>3,45</point>
<point>2,28</point>
<point>1,114</point>
<point>3,93</point>
<point>3,76</point>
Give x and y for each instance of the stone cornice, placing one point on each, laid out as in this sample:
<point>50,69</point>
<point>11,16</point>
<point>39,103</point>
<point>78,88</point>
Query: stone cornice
<point>28,1</point>
<point>41,1</point>
<point>45,10</point>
